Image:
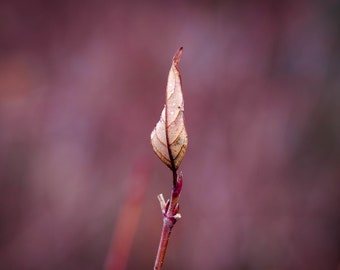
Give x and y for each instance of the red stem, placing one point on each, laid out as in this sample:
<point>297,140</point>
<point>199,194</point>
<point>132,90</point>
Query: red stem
<point>170,216</point>
<point>163,244</point>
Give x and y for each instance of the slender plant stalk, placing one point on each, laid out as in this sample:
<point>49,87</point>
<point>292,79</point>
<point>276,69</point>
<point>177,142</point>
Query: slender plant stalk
<point>170,217</point>
<point>163,244</point>
<point>170,132</point>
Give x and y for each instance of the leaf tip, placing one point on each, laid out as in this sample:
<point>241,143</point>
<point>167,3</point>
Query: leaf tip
<point>177,56</point>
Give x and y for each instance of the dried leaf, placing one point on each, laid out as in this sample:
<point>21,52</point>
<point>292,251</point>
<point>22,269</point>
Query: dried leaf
<point>169,138</point>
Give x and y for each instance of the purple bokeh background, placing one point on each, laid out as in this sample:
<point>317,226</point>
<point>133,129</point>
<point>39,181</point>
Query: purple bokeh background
<point>82,84</point>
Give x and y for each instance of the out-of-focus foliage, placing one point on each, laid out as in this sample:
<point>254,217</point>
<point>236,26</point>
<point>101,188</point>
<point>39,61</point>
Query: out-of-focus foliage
<point>80,82</point>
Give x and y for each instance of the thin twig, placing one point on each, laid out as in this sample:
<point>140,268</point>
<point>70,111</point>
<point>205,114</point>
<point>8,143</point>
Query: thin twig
<point>170,216</point>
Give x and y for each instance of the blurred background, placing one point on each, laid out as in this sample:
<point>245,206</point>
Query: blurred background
<point>82,84</point>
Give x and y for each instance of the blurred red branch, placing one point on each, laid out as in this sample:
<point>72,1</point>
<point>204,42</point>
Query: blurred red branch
<point>128,220</point>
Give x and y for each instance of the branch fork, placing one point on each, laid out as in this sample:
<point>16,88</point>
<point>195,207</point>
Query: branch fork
<point>170,216</point>
<point>172,213</point>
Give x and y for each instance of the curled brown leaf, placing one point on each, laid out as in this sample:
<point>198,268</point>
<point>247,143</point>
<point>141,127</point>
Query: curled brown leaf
<point>169,138</point>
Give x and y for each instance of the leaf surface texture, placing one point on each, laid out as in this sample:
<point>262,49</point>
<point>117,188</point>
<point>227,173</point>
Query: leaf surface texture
<point>169,138</point>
